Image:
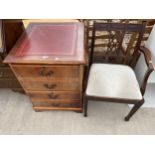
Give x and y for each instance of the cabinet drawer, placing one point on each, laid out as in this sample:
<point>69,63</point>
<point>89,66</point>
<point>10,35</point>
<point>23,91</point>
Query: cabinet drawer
<point>53,95</point>
<point>39,84</point>
<point>58,104</point>
<point>50,71</point>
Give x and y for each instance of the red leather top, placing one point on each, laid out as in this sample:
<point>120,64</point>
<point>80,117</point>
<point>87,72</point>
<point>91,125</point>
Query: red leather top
<point>49,43</point>
<point>49,40</point>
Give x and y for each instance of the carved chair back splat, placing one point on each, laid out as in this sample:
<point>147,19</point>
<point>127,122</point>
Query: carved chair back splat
<point>119,35</point>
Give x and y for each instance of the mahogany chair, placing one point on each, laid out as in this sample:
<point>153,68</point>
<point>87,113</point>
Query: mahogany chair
<point>122,83</point>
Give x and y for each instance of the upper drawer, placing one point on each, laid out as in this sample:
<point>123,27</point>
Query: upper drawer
<point>46,71</point>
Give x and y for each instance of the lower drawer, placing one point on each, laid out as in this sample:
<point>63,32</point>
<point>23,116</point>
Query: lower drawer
<point>53,95</point>
<point>58,103</point>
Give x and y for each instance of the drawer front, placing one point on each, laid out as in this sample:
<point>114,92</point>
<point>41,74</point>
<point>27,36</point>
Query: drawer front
<point>6,72</point>
<point>58,104</point>
<point>46,71</point>
<point>53,95</point>
<point>69,84</point>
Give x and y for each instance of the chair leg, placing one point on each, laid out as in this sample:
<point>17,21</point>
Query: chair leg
<point>85,105</point>
<point>133,110</point>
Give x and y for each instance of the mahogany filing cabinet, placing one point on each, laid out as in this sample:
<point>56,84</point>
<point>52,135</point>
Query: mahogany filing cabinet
<point>48,60</point>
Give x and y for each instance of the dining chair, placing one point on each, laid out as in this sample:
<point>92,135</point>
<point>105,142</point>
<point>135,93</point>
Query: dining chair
<point>118,83</point>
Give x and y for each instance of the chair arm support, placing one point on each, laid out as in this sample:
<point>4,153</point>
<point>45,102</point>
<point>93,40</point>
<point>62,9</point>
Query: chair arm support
<point>147,56</point>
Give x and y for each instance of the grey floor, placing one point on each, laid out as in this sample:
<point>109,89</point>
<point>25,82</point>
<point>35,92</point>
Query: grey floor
<point>18,117</point>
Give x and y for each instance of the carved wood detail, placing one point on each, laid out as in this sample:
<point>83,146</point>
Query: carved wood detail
<point>103,40</point>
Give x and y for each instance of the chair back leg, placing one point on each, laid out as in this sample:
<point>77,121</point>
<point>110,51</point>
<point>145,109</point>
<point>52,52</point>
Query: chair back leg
<point>133,110</point>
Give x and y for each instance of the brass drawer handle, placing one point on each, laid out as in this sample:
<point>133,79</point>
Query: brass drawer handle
<point>52,86</point>
<point>56,104</point>
<point>53,96</point>
<point>42,72</point>
<point>50,73</point>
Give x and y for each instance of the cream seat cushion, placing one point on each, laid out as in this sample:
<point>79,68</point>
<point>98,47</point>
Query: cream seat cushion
<point>111,80</point>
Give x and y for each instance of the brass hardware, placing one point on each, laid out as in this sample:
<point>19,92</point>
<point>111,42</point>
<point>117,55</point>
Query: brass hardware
<point>56,104</point>
<point>52,96</point>
<point>52,86</point>
<point>42,72</point>
<point>50,73</point>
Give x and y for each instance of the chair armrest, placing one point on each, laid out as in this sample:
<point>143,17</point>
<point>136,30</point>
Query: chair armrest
<point>147,55</point>
<point>150,68</point>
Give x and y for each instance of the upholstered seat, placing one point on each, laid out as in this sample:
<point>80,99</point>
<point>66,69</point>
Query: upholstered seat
<point>112,80</point>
